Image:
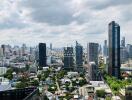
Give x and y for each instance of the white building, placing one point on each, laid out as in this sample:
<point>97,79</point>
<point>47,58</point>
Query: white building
<point>3,70</point>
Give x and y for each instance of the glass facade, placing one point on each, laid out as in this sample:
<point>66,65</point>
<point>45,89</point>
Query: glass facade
<point>79,55</point>
<point>42,55</point>
<point>93,52</point>
<point>114,49</point>
<point>68,58</point>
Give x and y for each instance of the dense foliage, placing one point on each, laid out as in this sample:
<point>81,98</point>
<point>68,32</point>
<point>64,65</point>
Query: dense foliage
<point>116,84</point>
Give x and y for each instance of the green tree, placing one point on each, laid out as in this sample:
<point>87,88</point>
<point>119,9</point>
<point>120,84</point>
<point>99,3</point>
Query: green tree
<point>39,76</point>
<point>35,83</point>
<point>9,74</point>
<point>100,93</point>
<point>107,98</point>
<point>21,85</point>
<point>27,67</point>
<point>10,70</point>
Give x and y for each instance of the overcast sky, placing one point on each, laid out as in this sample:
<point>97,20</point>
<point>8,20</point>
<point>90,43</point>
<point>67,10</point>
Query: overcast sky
<point>62,22</point>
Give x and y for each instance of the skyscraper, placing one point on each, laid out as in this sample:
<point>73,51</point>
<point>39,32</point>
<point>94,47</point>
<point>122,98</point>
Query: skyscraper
<point>114,49</point>
<point>92,52</point>
<point>100,50</point>
<point>105,49</point>
<point>94,74</point>
<point>79,55</point>
<point>50,46</point>
<point>123,42</point>
<point>42,55</point>
<point>129,50</point>
<point>68,58</point>
<point>123,54</point>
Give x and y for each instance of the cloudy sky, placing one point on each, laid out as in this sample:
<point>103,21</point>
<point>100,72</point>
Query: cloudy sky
<point>62,22</point>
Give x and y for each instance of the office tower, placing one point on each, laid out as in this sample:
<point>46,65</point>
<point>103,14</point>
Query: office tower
<point>36,53</point>
<point>50,46</point>
<point>1,52</point>
<point>105,49</point>
<point>68,58</point>
<point>100,50</point>
<point>24,49</point>
<point>123,42</point>
<point>123,54</point>
<point>92,52</point>
<point>79,55</point>
<point>4,49</point>
<point>94,74</point>
<point>129,50</point>
<point>114,49</point>
<point>42,55</point>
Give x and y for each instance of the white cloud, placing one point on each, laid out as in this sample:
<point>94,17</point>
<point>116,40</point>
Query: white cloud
<point>62,22</point>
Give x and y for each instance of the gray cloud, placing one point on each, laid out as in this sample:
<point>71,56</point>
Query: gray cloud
<point>109,3</point>
<point>54,12</point>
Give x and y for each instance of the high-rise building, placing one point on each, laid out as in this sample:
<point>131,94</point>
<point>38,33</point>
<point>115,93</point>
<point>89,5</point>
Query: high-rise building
<point>100,50</point>
<point>105,49</point>
<point>94,74</point>
<point>123,54</point>
<point>42,55</point>
<point>92,52</point>
<point>123,42</point>
<point>68,58</point>
<point>24,49</point>
<point>79,55</point>
<point>50,46</point>
<point>114,49</point>
<point>129,50</point>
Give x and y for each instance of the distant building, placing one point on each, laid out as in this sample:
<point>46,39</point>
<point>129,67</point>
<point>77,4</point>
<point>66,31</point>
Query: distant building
<point>105,49</point>
<point>100,50</point>
<point>79,55</point>
<point>68,58</point>
<point>123,54</point>
<point>42,55</point>
<point>50,46</point>
<point>123,42</point>
<point>94,74</point>
<point>24,48</point>
<point>1,52</point>
<point>129,50</point>
<point>114,49</point>
<point>92,52</point>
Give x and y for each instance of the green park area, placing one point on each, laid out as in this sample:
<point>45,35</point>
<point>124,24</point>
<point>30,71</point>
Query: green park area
<point>117,84</point>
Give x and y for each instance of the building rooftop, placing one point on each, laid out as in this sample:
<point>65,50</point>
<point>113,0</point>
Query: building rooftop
<point>5,86</point>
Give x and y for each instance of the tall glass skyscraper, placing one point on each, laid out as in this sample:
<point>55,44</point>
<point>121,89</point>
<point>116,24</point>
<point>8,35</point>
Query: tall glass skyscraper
<point>92,50</point>
<point>105,49</point>
<point>42,55</point>
<point>68,58</point>
<point>79,55</point>
<point>123,42</point>
<point>114,49</point>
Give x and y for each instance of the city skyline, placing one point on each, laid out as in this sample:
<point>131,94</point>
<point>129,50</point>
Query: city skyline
<point>46,21</point>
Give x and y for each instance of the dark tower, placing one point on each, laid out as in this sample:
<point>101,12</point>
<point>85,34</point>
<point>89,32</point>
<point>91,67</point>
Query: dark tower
<point>42,55</point>
<point>114,49</point>
<point>79,55</point>
<point>68,58</point>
